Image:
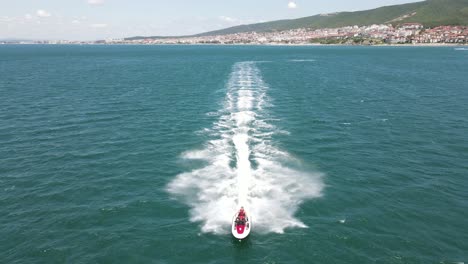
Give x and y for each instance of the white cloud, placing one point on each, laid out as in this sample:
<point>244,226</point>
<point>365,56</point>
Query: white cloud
<point>6,19</point>
<point>96,2</point>
<point>42,13</point>
<point>292,5</point>
<point>228,19</point>
<point>28,16</point>
<point>76,21</point>
<point>98,25</point>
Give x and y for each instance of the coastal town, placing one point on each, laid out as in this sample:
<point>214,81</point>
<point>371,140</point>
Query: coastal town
<point>409,33</point>
<point>383,34</point>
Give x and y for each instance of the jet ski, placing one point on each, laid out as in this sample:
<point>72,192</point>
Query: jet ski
<point>241,224</point>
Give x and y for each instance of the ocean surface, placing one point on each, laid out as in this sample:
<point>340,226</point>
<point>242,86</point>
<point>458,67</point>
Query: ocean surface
<point>142,154</point>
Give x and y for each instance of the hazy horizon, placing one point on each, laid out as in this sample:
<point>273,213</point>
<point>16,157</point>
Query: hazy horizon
<point>102,19</point>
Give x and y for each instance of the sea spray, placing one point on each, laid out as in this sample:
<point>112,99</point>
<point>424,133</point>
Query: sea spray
<point>271,191</point>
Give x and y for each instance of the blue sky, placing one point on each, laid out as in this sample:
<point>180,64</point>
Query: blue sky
<point>99,19</point>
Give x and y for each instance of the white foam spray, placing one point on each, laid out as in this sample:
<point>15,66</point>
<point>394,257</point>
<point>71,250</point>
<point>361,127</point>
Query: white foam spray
<point>244,167</point>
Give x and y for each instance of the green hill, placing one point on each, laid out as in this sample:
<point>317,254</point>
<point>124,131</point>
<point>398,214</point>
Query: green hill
<point>430,13</point>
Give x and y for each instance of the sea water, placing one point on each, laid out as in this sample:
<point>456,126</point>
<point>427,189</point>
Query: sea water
<point>131,154</point>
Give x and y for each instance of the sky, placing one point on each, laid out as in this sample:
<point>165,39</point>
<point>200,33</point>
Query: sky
<point>104,19</point>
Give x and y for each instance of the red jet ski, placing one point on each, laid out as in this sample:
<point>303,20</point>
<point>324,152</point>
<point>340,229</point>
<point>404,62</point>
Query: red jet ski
<point>241,224</point>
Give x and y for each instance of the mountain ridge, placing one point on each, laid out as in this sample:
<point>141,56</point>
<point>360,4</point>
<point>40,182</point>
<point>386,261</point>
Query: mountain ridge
<point>430,13</point>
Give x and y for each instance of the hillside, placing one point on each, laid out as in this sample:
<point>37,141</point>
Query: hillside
<point>430,13</point>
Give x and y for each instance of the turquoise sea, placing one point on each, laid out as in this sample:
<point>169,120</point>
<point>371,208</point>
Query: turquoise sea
<point>142,154</point>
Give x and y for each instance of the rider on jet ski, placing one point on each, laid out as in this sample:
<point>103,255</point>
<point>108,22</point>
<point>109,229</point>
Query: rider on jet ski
<point>241,217</point>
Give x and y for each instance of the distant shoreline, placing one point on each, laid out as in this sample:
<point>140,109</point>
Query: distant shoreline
<point>376,45</point>
<point>248,44</point>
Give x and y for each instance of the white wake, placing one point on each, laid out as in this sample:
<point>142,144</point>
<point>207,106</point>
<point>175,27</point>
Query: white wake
<point>244,167</point>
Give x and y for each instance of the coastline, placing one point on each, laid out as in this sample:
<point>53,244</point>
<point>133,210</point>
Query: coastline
<point>248,44</point>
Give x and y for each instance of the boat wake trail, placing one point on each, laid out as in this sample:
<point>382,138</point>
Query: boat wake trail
<point>244,167</point>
